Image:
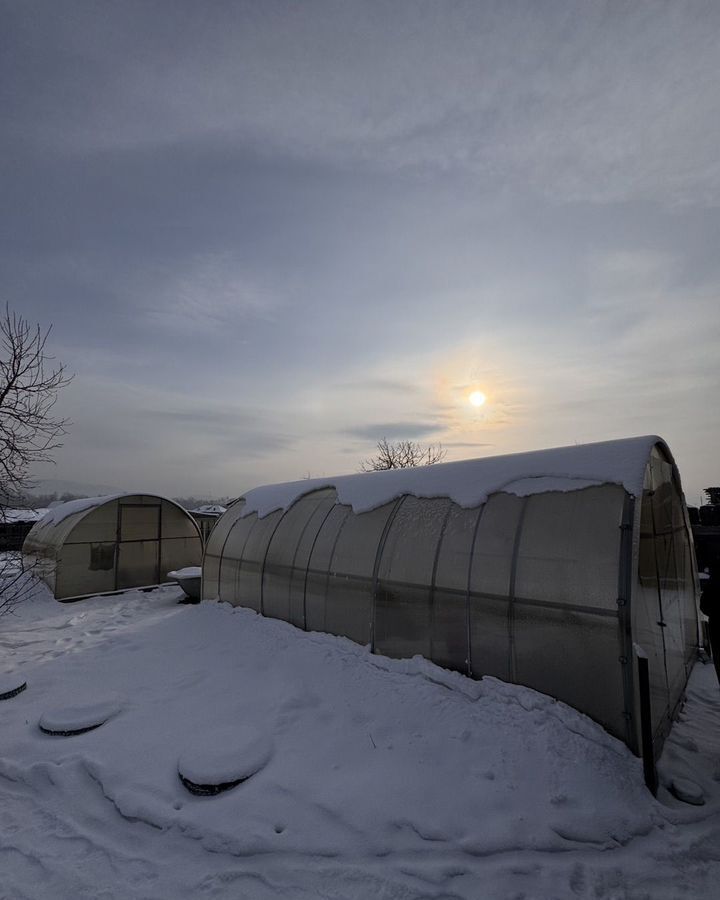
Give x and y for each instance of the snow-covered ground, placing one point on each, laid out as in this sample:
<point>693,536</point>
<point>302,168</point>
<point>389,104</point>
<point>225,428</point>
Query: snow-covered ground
<point>377,778</point>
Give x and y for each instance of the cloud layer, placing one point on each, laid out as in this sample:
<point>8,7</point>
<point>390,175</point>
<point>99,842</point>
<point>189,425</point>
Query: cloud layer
<point>270,234</point>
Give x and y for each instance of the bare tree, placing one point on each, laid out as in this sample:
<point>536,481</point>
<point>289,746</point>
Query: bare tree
<point>29,431</point>
<point>403,455</point>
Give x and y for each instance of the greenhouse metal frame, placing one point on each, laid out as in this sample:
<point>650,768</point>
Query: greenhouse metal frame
<point>555,569</point>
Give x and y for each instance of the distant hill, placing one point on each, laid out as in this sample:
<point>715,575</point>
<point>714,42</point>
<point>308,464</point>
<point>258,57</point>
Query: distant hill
<point>79,488</point>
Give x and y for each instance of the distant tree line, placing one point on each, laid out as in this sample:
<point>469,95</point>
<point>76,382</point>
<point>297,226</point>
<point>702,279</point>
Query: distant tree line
<point>29,500</point>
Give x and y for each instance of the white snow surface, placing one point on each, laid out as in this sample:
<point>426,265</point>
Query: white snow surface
<point>210,509</point>
<point>390,779</point>
<point>470,482</point>
<point>224,754</point>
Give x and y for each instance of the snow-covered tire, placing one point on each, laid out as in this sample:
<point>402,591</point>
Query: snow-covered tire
<point>209,790</point>
<point>221,759</point>
<point>12,692</point>
<point>78,719</point>
<point>69,733</point>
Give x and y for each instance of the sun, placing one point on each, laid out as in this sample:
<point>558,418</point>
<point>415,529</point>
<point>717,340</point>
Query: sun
<point>477,398</point>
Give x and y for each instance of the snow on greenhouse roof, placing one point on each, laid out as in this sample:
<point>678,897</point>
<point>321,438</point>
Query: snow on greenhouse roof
<point>58,513</point>
<point>470,482</point>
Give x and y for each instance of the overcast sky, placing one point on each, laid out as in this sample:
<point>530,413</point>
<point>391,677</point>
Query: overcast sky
<point>269,234</point>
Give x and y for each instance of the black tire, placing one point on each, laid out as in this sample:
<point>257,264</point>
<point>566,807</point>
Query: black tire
<point>71,733</point>
<point>14,692</point>
<point>208,790</point>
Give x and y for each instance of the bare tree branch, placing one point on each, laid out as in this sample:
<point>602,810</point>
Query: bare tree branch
<point>29,431</point>
<point>403,455</point>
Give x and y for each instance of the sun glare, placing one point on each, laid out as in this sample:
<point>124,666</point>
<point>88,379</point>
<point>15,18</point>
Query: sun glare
<point>477,398</point>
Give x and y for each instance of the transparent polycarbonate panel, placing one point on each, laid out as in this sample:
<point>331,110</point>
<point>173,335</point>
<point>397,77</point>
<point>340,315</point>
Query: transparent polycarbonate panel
<point>139,522</point>
<point>494,544</point>
<point>677,585</point>
<point>349,606</point>
<point>674,624</point>
<point>102,557</point>
<point>282,552</point>
<point>689,600</point>
<point>573,656</point>
<point>664,615</point>
<point>449,629</point>
<point>249,581</point>
<point>299,574</point>
<point>226,592</point>
<point>648,634</point>
<point>647,571</point>
<point>402,605</point>
<point>646,612</point>
<point>43,562</point>
<point>179,553</point>
<point>217,541</point>
<point>214,551</point>
<point>569,550</point>
<point>138,564</point>
<point>75,577</point>
<point>53,532</point>
<point>489,636</point>
<point>205,524</point>
<point>232,557</point>
<point>490,574</point>
<point>318,571</point>
<point>97,525</point>
<point>176,523</point>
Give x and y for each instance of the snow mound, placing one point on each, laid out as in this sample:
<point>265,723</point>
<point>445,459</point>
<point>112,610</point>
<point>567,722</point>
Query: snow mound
<point>11,686</point>
<point>688,791</point>
<point>387,778</point>
<point>223,758</point>
<point>78,719</point>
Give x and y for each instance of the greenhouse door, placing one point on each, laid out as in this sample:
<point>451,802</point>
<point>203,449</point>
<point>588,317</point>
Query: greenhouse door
<point>139,545</point>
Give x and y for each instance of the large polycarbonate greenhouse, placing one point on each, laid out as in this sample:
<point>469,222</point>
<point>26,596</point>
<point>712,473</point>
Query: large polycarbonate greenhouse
<point>554,569</point>
<point>105,544</point>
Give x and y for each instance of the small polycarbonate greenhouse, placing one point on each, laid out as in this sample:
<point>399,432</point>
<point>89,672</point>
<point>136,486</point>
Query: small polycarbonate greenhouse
<point>553,569</point>
<point>104,544</point>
